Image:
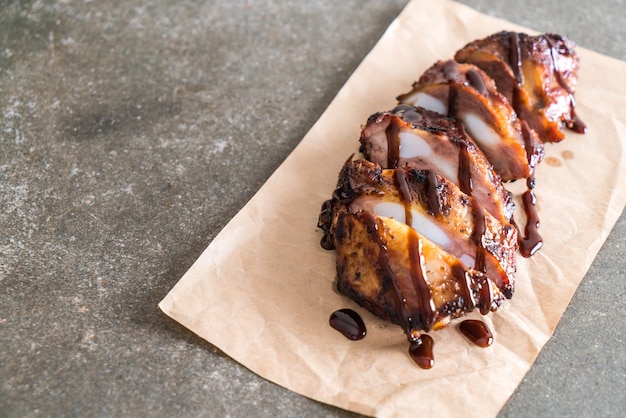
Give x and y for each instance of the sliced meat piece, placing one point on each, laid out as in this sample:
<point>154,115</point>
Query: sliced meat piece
<point>465,92</point>
<point>399,275</point>
<point>436,209</point>
<point>537,74</point>
<point>426,140</point>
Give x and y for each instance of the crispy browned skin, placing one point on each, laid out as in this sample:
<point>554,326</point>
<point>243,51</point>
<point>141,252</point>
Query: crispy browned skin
<point>376,261</point>
<point>465,92</point>
<point>537,75</point>
<point>442,141</point>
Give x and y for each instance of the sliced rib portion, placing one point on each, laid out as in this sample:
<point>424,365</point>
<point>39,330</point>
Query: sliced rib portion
<point>537,74</point>
<point>465,92</point>
<point>425,140</point>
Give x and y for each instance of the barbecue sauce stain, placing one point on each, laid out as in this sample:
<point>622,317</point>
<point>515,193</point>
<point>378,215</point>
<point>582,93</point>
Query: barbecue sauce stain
<point>421,352</point>
<point>477,332</point>
<point>485,297</point>
<point>349,323</point>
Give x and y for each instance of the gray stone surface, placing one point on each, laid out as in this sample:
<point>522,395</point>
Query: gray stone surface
<point>131,132</point>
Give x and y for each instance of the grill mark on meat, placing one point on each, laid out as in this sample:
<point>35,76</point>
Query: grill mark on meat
<point>530,242</point>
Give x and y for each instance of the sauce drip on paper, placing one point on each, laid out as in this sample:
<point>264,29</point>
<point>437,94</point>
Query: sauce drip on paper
<point>349,323</point>
<point>477,332</point>
<point>421,352</point>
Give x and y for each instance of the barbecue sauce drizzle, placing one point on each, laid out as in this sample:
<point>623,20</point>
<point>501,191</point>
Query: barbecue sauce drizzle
<point>422,352</point>
<point>426,307</point>
<point>531,241</point>
<point>393,144</point>
<point>411,329</point>
<point>402,184</point>
<point>421,346</point>
<point>575,123</point>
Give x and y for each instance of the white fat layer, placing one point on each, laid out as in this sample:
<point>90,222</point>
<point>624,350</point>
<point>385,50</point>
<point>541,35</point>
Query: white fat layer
<point>429,102</point>
<point>448,170</point>
<point>421,223</point>
<point>468,260</point>
<point>479,130</point>
<point>412,145</point>
<point>390,210</point>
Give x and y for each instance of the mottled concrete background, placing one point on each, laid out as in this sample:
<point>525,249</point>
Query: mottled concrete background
<point>131,132</point>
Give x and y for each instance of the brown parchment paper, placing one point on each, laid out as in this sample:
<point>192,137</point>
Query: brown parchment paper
<point>263,290</point>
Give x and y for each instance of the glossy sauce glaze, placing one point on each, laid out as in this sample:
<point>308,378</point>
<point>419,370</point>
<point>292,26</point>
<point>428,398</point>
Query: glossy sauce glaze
<point>464,173</point>
<point>422,352</point>
<point>478,234</point>
<point>431,187</point>
<point>349,323</point>
<point>476,81</point>
<point>477,332</point>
